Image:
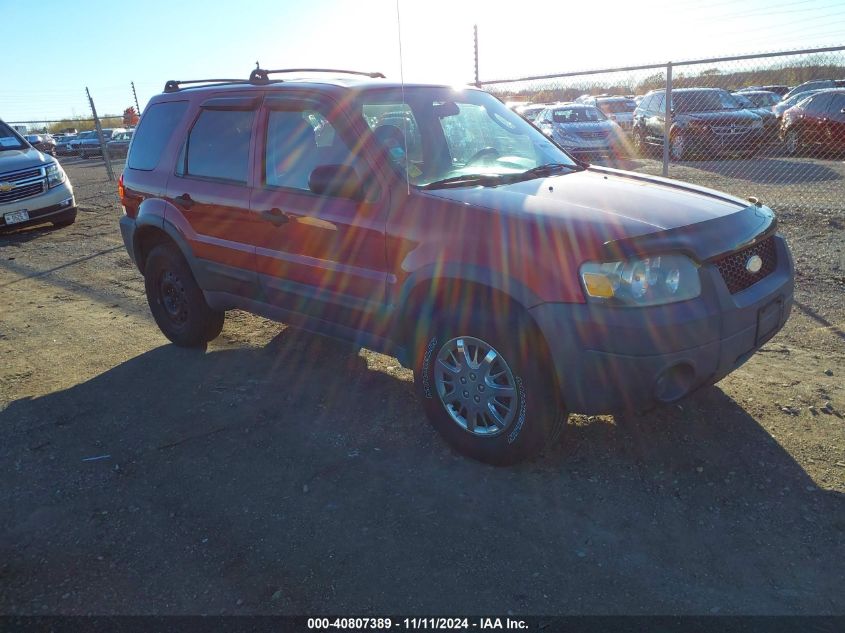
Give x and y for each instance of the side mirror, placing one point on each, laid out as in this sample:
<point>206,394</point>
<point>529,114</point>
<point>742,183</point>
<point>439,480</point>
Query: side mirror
<point>339,181</point>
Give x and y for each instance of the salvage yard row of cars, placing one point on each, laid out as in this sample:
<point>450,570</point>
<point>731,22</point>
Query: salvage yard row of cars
<point>705,122</point>
<point>84,144</point>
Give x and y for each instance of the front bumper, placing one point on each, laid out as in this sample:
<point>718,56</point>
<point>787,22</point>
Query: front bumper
<point>41,207</point>
<point>711,142</point>
<point>611,359</point>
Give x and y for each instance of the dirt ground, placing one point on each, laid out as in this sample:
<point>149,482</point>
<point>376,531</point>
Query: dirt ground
<point>283,473</point>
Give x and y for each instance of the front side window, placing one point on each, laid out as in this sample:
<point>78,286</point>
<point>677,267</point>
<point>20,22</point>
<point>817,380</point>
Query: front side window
<point>443,133</point>
<point>298,141</point>
<point>218,145</point>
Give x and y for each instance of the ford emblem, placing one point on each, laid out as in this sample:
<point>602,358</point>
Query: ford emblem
<point>754,264</point>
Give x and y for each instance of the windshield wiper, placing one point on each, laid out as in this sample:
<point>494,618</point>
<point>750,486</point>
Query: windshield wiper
<point>485,180</point>
<point>549,169</point>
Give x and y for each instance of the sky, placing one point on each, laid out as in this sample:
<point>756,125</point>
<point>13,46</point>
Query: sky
<point>59,47</point>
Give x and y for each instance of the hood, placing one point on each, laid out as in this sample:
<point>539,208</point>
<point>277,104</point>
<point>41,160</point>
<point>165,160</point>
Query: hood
<point>611,206</point>
<point>15,159</point>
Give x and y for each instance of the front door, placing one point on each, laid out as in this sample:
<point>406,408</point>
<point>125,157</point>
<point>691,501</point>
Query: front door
<point>319,255</point>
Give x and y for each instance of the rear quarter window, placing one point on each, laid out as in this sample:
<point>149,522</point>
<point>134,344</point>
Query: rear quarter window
<point>154,131</point>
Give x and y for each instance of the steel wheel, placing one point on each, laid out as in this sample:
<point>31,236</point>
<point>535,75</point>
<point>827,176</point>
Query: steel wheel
<point>476,386</point>
<point>173,297</point>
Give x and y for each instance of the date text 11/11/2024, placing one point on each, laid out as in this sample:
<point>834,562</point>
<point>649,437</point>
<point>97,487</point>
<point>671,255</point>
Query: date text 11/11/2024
<point>433,624</point>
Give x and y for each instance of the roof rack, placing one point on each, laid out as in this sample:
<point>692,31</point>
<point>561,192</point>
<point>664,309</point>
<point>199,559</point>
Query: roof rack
<point>175,85</point>
<point>260,75</point>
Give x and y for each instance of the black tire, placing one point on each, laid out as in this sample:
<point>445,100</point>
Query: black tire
<point>64,219</point>
<point>176,301</point>
<point>538,411</point>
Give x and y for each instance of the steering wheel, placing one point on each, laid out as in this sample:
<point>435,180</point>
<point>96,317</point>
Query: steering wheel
<point>483,152</point>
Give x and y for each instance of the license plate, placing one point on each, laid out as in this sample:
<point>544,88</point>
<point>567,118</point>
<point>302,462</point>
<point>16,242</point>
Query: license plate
<point>16,216</point>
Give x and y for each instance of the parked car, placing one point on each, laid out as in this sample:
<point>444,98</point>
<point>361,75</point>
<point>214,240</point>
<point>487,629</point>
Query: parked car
<point>90,145</point>
<point>83,136</point>
<point>118,146</point>
<point>517,282</point>
<point>816,124</point>
<point>582,130</point>
<point>63,145</point>
<point>777,89</point>
<point>817,84</point>
<point>707,122</point>
<point>33,186</point>
<point>616,108</point>
<point>784,105</point>
<point>770,121</point>
<point>42,142</point>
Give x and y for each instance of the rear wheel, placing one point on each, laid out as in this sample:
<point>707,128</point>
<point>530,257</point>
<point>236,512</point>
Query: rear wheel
<point>488,390</point>
<point>176,301</point>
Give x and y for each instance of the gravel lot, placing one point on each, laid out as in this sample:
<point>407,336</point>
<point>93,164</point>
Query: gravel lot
<point>283,473</point>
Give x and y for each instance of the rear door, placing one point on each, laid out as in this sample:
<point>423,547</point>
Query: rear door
<point>318,255</point>
<point>211,190</point>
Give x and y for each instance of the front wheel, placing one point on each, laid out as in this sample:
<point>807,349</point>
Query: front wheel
<point>176,301</point>
<point>678,146</point>
<point>488,392</point>
<point>793,143</point>
<point>639,143</point>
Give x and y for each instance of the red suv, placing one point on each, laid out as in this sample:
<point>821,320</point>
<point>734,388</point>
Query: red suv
<point>436,225</point>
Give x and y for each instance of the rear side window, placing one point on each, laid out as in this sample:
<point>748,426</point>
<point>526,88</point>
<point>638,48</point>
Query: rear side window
<point>218,145</point>
<point>154,131</point>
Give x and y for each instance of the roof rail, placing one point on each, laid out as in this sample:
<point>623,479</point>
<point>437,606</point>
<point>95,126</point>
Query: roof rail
<point>260,75</point>
<point>174,85</point>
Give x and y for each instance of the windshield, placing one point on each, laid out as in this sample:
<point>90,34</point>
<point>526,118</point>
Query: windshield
<point>443,133</point>
<point>617,105</point>
<point>9,139</point>
<point>762,99</point>
<point>743,101</point>
<point>708,101</point>
<point>87,135</point>
<point>577,114</point>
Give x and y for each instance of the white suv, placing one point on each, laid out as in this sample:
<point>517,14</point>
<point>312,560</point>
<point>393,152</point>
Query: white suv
<point>33,187</point>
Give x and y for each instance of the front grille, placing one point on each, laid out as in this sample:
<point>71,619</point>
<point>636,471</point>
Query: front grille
<point>593,135</point>
<point>21,192</point>
<point>733,270</point>
<point>17,176</point>
<point>730,130</point>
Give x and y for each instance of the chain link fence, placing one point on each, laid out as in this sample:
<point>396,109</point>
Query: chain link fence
<point>750,125</point>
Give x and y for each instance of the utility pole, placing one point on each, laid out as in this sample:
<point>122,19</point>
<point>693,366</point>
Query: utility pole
<point>135,94</point>
<point>475,41</point>
<point>100,136</point>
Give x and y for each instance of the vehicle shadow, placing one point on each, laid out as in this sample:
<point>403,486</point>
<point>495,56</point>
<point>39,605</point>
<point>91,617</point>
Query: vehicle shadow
<point>302,477</point>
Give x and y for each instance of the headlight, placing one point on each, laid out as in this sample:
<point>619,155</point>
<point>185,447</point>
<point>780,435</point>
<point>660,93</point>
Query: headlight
<point>55,175</point>
<point>565,134</point>
<point>644,281</point>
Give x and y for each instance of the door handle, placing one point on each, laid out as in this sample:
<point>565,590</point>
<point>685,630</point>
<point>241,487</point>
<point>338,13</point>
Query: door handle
<point>185,201</point>
<point>275,216</point>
